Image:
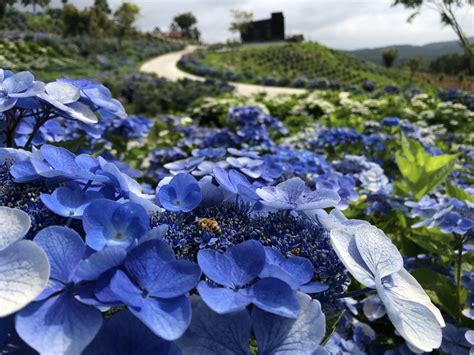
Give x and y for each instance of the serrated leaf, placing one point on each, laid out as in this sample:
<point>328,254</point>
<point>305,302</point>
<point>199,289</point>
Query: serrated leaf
<point>421,171</point>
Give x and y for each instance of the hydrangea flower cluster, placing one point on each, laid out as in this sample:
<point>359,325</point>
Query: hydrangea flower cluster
<point>239,245</point>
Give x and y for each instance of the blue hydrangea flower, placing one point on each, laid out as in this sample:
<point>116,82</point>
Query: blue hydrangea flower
<point>250,167</point>
<point>69,201</point>
<point>96,95</point>
<point>17,86</point>
<point>58,322</point>
<point>239,266</point>
<point>235,182</point>
<point>184,165</point>
<point>454,341</point>
<point>153,284</point>
<point>64,98</point>
<point>182,193</point>
<point>24,266</point>
<point>376,263</point>
<point>373,307</point>
<point>344,186</point>
<point>110,223</point>
<point>450,215</point>
<point>293,194</point>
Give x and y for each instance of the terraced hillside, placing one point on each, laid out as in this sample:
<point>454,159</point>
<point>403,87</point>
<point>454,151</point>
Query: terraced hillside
<point>293,65</point>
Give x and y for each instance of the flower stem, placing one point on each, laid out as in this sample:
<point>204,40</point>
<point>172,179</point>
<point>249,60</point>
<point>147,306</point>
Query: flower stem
<point>458,279</point>
<point>356,293</point>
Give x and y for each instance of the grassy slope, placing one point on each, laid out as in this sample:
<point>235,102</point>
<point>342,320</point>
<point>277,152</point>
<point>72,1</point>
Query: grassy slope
<point>311,60</point>
<point>78,58</point>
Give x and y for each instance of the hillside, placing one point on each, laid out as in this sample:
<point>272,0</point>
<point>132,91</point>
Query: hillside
<point>429,51</point>
<point>291,65</point>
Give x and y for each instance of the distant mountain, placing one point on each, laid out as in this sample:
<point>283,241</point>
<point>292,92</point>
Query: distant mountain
<point>429,51</point>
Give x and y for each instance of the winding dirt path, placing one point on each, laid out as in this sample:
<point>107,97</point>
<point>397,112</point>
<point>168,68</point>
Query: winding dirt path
<point>166,66</point>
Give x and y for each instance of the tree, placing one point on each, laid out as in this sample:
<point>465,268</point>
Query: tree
<point>185,22</point>
<point>99,23</point>
<point>74,21</point>
<point>102,5</point>
<point>40,3</point>
<point>446,10</point>
<point>389,56</point>
<point>3,6</point>
<point>414,65</point>
<point>124,18</point>
<point>240,21</point>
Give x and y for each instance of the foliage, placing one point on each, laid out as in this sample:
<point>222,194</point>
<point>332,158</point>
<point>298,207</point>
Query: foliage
<point>124,17</point>
<point>421,171</point>
<point>300,65</point>
<point>240,21</point>
<point>186,22</point>
<point>148,94</point>
<point>446,10</point>
<point>389,56</point>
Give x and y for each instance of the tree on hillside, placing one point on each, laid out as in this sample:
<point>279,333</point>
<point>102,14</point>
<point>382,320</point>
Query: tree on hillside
<point>186,24</point>
<point>124,18</point>
<point>74,21</point>
<point>389,56</point>
<point>40,3</point>
<point>102,5</point>
<point>240,21</point>
<point>414,65</point>
<point>4,5</point>
<point>98,21</point>
<point>446,9</point>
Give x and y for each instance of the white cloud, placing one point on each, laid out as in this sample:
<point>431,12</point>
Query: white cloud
<point>344,24</point>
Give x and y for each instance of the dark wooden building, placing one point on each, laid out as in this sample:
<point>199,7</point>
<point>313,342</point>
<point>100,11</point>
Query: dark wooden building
<point>269,30</point>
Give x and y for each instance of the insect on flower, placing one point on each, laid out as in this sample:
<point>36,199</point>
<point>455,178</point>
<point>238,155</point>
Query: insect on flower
<point>209,224</point>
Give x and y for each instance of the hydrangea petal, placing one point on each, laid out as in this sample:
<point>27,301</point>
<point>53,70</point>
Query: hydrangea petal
<point>64,249</point>
<point>414,321</point>
<point>223,300</point>
<point>63,92</point>
<point>175,278</point>
<point>248,260</point>
<point>18,82</point>
<point>346,249</point>
<point>24,273</point>
<point>124,334</point>
<point>167,318</point>
<point>59,325</point>
<point>211,333</point>
<point>126,291</point>
<point>278,335</point>
<point>99,262</point>
<point>275,296</point>
<point>377,251</point>
<point>14,224</point>
<point>216,266</point>
<point>145,261</point>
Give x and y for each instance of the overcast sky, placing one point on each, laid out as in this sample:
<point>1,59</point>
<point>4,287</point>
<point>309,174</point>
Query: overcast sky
<point>342,24</point>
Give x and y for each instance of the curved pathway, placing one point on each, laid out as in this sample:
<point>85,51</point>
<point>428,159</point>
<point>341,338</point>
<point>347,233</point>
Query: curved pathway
<point>166,66</point>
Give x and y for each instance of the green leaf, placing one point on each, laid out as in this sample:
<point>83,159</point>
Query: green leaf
<point>432,240</point>
<point>456,192</point>
<point>331,325</point>
<point>440,289</point>
<point>421,171</point>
